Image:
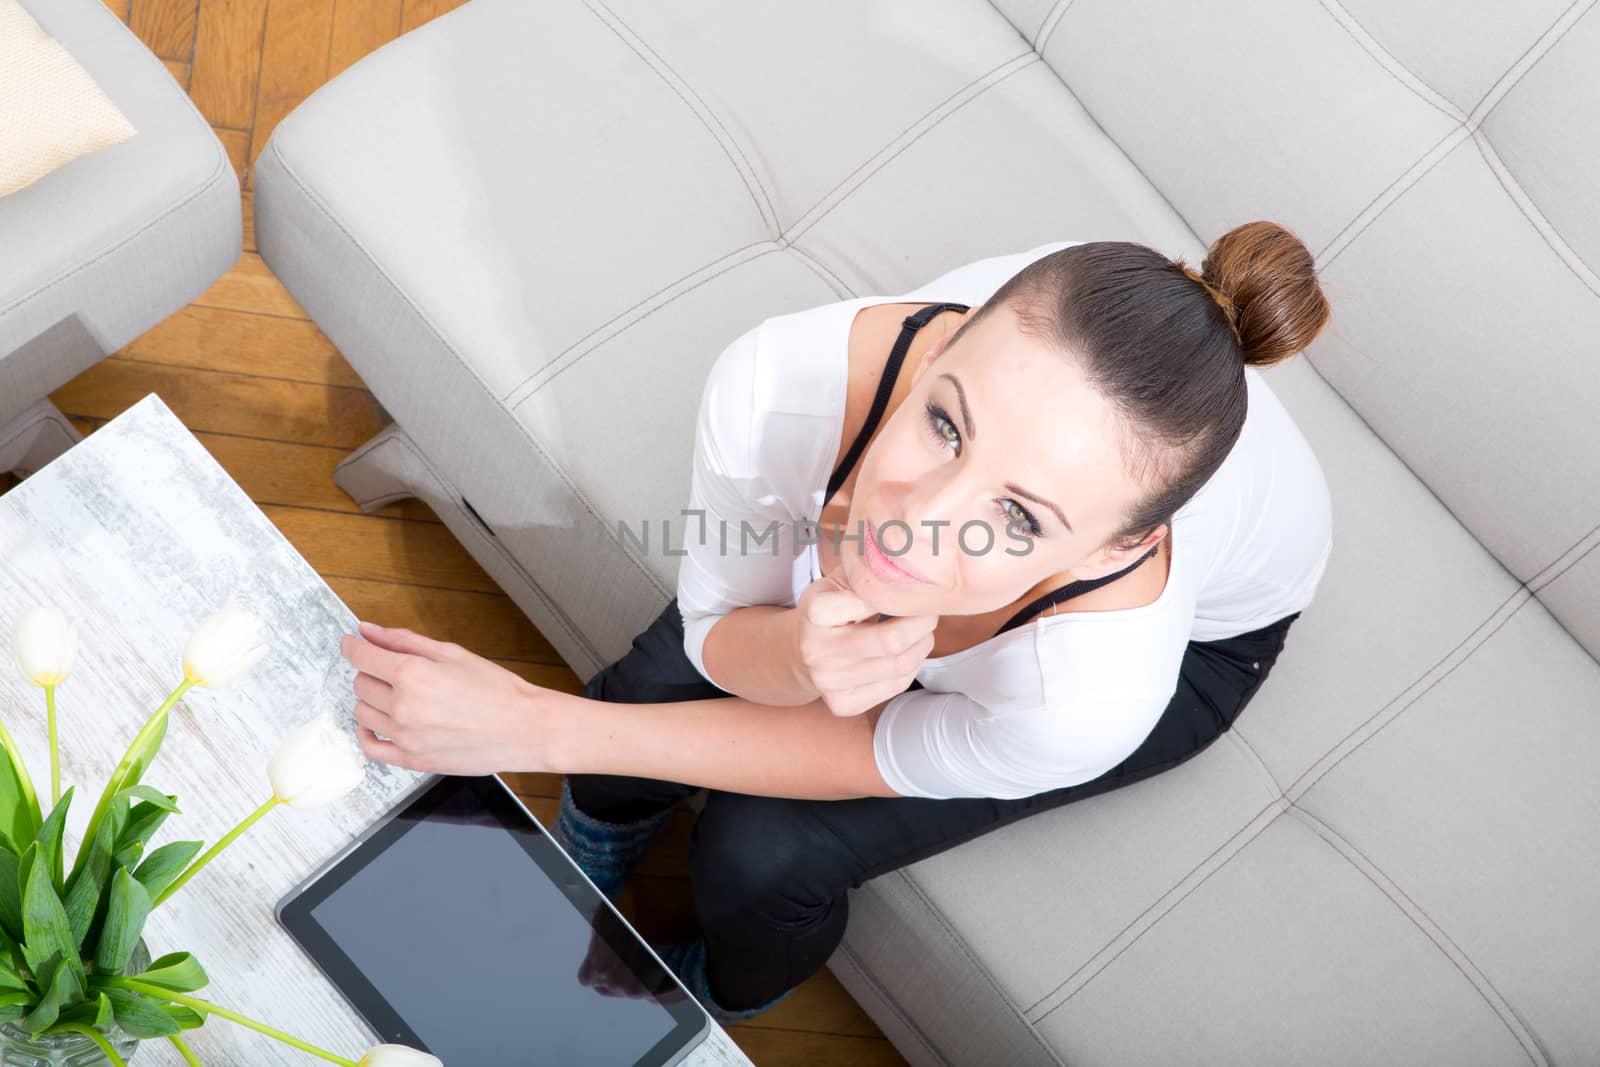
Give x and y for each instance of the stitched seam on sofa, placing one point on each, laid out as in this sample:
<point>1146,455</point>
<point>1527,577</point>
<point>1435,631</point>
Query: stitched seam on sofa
<point>615,325</point>
<point>1389,195</point>
<point>1511,76</point>
<point>832,280</point>
<point>982,971</point>
<point>853,961</point>
<point>928,119</point>
<point>1391,63</point>
<point>1543,581</point>
<point>1411,909</point>
<point>444,343</point>
<point>403,441</point>
<point>1400,705</point>
<point>223,166</point>
<point>1233,840</point>
<point>730,147</point>
<point>1047,28</point>
<point>1570,257</point>
<point>1250,751</point>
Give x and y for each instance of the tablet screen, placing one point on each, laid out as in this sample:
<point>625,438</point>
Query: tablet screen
<point>459,927</point>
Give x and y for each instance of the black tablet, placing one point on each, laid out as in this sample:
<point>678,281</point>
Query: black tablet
<point>457,925</point>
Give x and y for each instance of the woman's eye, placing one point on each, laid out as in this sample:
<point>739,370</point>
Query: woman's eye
<point>1023,517</point>
<point>938,423</point>
<point>944,432</point>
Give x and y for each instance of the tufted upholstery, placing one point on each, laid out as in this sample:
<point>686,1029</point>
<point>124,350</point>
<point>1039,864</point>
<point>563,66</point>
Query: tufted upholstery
<point>532,228</point>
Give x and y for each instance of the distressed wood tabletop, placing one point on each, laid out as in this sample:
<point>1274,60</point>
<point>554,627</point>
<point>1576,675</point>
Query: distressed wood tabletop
<point>138,534</point>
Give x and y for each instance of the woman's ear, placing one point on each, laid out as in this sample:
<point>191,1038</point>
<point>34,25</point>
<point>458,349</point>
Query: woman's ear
<point>1118,558</point>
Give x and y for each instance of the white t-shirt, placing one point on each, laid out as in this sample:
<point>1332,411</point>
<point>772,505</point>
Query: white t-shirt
<point>1058,700</point>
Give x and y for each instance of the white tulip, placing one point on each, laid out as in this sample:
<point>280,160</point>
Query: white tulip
<point>315,765</point>
<point>223,648</point>
<point>398,1056</point>
<point>45,645</point>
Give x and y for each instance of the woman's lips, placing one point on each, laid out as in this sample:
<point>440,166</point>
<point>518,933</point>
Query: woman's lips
<point>884,565</point>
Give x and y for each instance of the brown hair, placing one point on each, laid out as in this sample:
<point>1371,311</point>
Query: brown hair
<point>1167,345</point>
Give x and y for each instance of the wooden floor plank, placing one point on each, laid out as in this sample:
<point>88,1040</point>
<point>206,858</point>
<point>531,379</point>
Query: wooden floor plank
<point>418,12</point>
<point>771,1047</point>
<point>118,8</point>
<point>250,285</point>
<point>489,624</point>
<point>381,550</point>
<point>360,27</point>
<point>237,144</point>
<point>292,475</point>
<point>227,403</point>
<point>294,63</point>
<point>209,338</point>
<point>165,26</point>
<point>179,71</point>
<point>249,209</point>
<point>227,58</point>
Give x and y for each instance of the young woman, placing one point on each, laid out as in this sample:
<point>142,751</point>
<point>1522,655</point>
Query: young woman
<point>1029,533</point>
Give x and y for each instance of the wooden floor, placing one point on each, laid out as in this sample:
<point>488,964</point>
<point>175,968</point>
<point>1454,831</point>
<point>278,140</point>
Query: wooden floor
<point>269,396</point>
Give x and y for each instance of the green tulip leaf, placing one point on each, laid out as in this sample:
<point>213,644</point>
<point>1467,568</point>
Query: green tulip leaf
<point>141,753</point>
<point>164,801</point>
<point>10,896</point>
<point>178,971</point>
<point>15,1005</point>
<point>143,822</point>
<point>97,1013</point>
<point>18,818</point>
<point>62,991</point>
<point>162,867</point>
<point>49,838</point>
<point>125,916</point>
<point>47,932</point>
<point>185,1016</point>
<point>11,981</point>
<point>9,845</point>
<point>140,1016</point>
<point>85,900</point>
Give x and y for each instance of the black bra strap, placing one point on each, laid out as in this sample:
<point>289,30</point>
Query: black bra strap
<point>1066,592</point>
<point>880,401</point>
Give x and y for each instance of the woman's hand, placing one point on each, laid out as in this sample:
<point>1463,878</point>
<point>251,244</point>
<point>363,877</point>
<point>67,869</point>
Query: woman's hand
<point>853,663</point>
<point>443,709</point>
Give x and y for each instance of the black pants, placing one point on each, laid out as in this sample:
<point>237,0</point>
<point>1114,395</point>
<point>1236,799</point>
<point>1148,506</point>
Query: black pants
<point>769,874</point>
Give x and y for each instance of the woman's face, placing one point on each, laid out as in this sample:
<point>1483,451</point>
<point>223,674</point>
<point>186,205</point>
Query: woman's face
<point>1013,476</point>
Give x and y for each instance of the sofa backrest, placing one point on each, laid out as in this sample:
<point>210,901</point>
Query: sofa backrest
<point>1438,161</point>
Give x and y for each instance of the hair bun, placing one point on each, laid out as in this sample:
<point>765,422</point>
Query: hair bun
<point>1265,280</point>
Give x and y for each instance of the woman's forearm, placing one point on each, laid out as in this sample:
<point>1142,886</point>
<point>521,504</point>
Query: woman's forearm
<point>751,652</point>
<point>726,743</point>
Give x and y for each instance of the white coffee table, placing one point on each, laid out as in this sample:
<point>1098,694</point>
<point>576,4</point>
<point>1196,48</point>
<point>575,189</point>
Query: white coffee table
<point>138,534</point>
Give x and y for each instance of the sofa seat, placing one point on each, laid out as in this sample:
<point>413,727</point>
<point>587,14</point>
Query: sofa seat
<point>532,228</point>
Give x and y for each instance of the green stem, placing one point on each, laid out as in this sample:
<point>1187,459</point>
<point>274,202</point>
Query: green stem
<point>14,754</point>
<point>105,1046</point>
<point>55,748</point>
<point>185,1051</point>
<point>214,850</point>
<point>115,782</point>
<point>215,1009</point>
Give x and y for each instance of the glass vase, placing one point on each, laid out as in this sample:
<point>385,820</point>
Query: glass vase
<point>17,1049</point>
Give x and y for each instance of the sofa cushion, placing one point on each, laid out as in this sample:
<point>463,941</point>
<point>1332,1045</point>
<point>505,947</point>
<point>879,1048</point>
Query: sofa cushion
<point>51,109</point>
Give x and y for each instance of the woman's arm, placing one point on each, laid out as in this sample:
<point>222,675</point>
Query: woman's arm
<point>728,743</point>
<point>751,652</point>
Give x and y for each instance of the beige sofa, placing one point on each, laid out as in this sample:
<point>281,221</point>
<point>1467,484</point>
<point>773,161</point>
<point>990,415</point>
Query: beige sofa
<point>532,227</point>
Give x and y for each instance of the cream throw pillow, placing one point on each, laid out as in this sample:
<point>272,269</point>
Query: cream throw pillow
<point>51,111</point>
